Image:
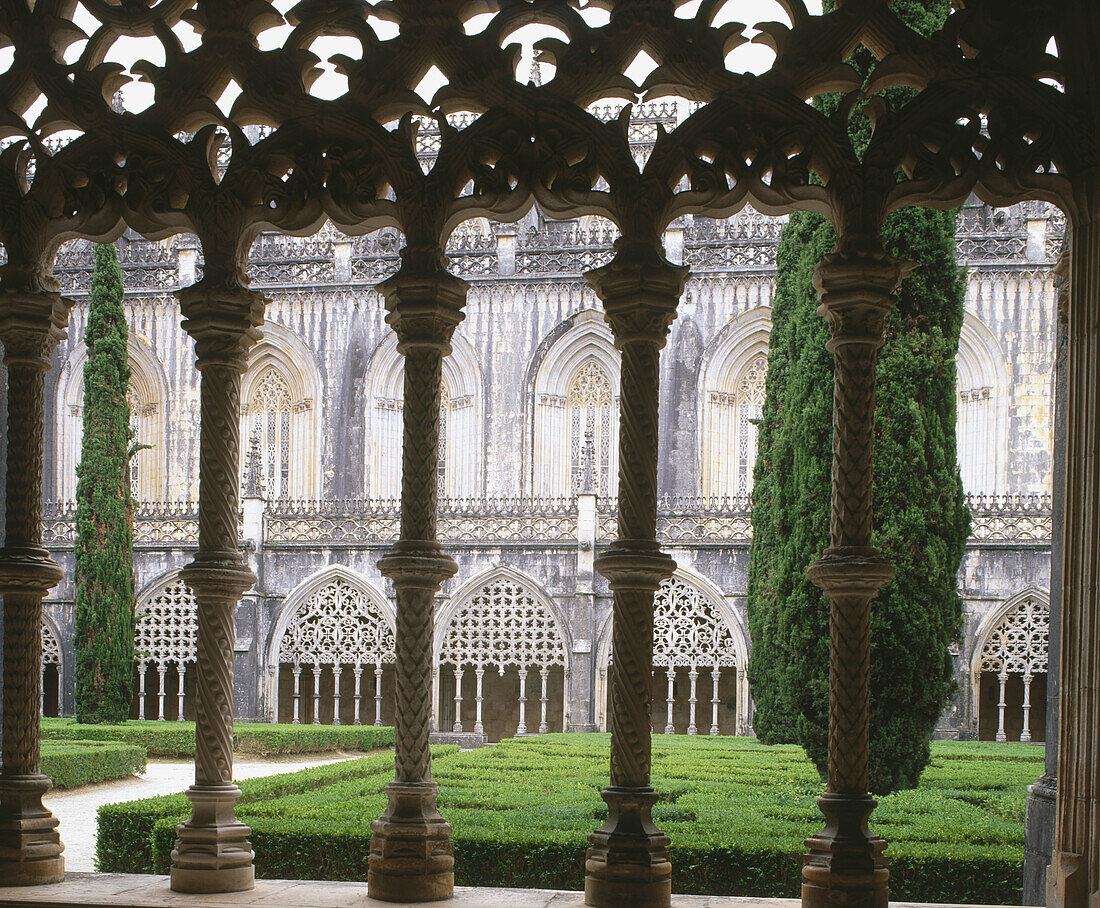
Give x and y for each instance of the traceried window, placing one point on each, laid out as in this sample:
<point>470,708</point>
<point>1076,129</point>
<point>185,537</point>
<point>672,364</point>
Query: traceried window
<point>51,672</point>
<point>336,634</point>
<point>589,406</point>
<point>270,413</point>
<point>734,419</point>
<point>165,644</point>
<point>502,629</point>
<point>976,443</point>
<point>981,427</point>
<point>1016,651</point>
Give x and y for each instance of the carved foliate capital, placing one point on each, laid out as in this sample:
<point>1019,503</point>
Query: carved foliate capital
<point>639,289</point>
<point>28,569</point>
<point>416,564</point>
<point>424,301</point>
<point>856,293</point>
<point>31,325</point>
<point>634,565</point>
<point>224,322</point>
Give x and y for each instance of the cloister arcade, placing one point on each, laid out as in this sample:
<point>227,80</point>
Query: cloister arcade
<point>1003,103</point>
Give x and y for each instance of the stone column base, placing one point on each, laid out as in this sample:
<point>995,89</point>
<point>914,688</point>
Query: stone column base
<point>30,846</point>
<point>844,864</point>
<point>212,852</point>
<point>411,852</point>
<point>628,863</point>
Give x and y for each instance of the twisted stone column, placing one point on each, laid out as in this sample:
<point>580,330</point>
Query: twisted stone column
<point>627,863</point>
<point>412,855</point>
<point>1073,878</point>
<point>844,864</point>
<point>212,852</point>
<point>30,847</point>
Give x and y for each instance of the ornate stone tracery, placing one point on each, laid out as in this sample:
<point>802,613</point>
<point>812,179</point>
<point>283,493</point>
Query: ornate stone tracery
<point>165,644</point>
<point>1017,646</point>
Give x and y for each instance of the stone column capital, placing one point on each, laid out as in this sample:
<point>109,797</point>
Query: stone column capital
<point>851,571</point>
<point>640,290</point>
<point>28,569</point>
<point>635,565</point>
<point>223,321</point>
<point>416,565</point>
<point>857,292</point>
<point>424,305</point>
<point>32,323</point>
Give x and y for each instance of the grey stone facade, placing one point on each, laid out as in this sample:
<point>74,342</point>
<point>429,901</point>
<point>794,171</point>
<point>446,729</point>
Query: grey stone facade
<point>511,516</point>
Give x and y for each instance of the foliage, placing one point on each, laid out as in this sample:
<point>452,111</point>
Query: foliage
<point>104,621</point>
<point>737,812</point>
<point>177,739</point>
<point>70,764</point>
<point>921,522</point>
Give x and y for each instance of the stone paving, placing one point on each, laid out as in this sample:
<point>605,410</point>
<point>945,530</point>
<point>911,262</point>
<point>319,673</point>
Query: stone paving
<point>109,890</point>
<point>76,809</point>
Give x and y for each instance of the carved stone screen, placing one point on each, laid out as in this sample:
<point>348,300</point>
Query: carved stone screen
<point>164,646</point>
<point>1013,674</point>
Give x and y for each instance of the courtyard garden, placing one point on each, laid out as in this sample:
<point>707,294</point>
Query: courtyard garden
<point>737,812</point>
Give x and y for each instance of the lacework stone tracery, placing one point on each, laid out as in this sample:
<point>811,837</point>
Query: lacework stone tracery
<point>502,627</point>
<point>589,407</point>
<point>1019,645</point>
<point>338,626</point>
<point>165,638</point>
<point>270,408</point>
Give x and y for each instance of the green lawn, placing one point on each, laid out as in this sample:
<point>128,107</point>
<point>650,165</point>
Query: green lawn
<point>737,813</point>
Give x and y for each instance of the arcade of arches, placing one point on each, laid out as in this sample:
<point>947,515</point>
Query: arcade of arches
<point>236,146</point>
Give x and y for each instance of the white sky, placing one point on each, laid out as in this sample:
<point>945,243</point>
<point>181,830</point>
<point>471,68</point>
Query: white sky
<point>138,95</point>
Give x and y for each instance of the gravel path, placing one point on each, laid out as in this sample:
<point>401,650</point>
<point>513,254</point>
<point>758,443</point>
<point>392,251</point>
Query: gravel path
<point>76,809</point>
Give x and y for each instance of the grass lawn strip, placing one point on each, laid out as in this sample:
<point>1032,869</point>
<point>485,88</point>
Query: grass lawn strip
<point>737,812</point>
<point>177,739</point>
<point>70,764</point>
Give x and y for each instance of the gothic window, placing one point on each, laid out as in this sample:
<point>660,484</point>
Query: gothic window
<point>982,384</point>
<point>338,627</point>
<point>165,644</point>
<point>270,409</point>
<point>589,406</point>
<point>51,672</point>
<point>505,628</point>
<point>688,632</point>
<point>1013,657</point>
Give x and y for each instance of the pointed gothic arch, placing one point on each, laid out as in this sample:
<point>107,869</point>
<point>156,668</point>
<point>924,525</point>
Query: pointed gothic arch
<point>1008,668</point>
<point>575,402</point>
<point>462,417</point>
<point>165,644</point>
<point>338,626</point>
<point>983,381</point>
<point>501,622</point>
<point>280,404</point>
<point>53,668</point>
<point>731,402</point>
<point>148,398</point>
<point>696,632</point>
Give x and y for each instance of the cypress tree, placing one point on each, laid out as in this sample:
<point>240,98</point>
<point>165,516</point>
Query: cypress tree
<point>921,521</point>
<point>104,631</point>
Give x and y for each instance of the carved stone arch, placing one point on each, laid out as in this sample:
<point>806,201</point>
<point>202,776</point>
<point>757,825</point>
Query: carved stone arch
<point>165,645</point>
<point>461,432</point>
<point>282,373</point>
<point>331,646</point>
<point>731,655</point>
<point>53,667</point>
<point>149,402</point>
<point>983,381</point>
<point>558,433</point>
<point>497,629</point>
<point>300,596</point>
<point>731,397</point>
<point>1012,642</point>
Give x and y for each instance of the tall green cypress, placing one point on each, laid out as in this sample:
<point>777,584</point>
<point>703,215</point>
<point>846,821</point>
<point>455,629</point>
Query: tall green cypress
<point>104,632</point>
<point>921,521</point>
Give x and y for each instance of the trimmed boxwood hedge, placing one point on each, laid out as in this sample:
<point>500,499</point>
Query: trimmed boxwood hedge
<point>70,764</point>
<point>737,813</point>
<point>177,739</point>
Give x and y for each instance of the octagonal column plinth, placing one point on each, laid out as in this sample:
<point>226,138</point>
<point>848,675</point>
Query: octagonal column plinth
<point>627,862</point>
<point>411,852</point>
<point>30,846</point>
<point>844,864</point>
<point>212,852</point>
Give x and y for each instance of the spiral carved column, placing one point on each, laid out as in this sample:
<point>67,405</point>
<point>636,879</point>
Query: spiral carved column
<point>844,864</point>
<point>1073,878</point>
<point>212,852</point>
<point>627,862</point>
<point>30,846</point>
<point>412,855</point>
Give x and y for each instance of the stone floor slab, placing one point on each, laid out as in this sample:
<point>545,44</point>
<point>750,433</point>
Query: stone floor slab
<point>117,890</point>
